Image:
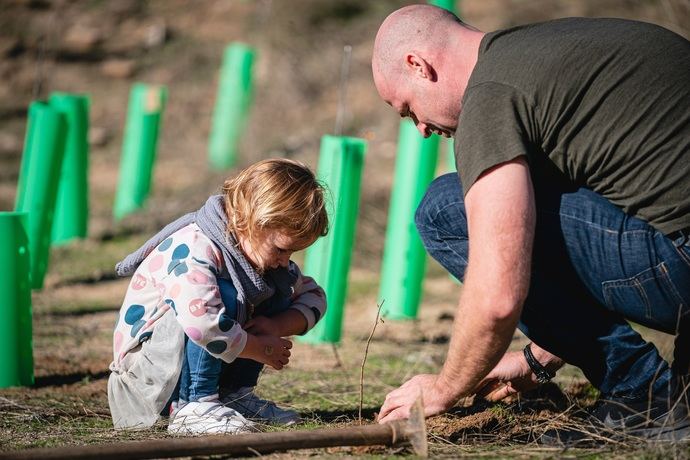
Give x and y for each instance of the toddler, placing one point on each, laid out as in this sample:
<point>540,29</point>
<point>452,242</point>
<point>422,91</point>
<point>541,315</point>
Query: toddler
<point>211,299</point>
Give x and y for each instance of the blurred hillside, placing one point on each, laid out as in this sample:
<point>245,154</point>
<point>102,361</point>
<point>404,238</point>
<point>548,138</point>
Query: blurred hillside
<point>100,47</point>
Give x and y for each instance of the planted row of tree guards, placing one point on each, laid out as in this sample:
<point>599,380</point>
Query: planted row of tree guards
<point>52,191</point>
<point>53,178</point>
<point>51,204</point>
<point>52,200</point>
<point>144,117</point>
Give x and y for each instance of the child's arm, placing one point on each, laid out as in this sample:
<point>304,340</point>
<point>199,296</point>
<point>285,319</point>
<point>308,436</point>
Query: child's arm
<point>290,322</point>
<point>307,307</point>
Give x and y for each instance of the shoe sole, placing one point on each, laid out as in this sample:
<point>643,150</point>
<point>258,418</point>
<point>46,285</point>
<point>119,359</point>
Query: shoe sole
<point>204,427</point>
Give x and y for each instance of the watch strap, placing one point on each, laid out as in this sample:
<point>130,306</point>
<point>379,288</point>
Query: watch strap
<point>542,373</point>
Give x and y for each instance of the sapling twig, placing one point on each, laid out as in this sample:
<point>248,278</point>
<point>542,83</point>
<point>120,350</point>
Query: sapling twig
<point>364,360</point>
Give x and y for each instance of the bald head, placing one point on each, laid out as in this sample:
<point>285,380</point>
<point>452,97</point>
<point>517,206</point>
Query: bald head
<point>423,57</point>
<point>421,28</point>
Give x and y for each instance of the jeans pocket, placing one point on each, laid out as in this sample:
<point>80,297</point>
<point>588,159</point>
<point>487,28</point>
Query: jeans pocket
<point>648,298</point>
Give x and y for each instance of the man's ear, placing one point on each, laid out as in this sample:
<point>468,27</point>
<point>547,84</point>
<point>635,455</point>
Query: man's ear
<point>420,67</point>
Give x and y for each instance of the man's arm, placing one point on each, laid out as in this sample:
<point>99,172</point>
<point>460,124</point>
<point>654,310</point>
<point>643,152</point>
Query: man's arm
<point>501,218</point>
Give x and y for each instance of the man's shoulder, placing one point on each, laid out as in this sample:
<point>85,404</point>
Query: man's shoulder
<point>571,27</point>
<point>532,56</point>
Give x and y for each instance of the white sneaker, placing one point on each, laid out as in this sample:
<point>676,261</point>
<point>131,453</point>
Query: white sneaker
<point>208,417</point>
<point>247,403</point>
<point>175,407</point>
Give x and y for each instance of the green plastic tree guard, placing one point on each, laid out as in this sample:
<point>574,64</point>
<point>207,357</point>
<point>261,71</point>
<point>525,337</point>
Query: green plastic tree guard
<point>16,356</point>
<point>450,155</point>
<point>144,114</point>
<point>72,205</point>
<point>404,257</point>
<point>445,4</point>
<point>232,105</point>
<point>44,149</point>
<point>328,260</point>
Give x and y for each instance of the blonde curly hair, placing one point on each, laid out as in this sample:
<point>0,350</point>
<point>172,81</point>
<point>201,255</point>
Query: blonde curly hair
<point>276,194</point>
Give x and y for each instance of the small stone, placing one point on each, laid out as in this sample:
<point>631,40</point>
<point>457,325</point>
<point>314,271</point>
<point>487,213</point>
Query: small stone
<point>155,35</point>
<point>81,39</point>
<point>118,68</point>
<point>98,136</point>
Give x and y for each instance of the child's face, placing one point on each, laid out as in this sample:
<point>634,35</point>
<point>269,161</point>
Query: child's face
<point>270,249</point>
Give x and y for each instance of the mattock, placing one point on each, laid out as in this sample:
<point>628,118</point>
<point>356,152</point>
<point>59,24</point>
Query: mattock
<point>398,433</point>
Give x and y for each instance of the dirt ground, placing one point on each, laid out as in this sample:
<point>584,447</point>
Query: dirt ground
<point>100,48</point>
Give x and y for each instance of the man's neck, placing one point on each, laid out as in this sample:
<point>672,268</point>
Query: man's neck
<point>464,53</point>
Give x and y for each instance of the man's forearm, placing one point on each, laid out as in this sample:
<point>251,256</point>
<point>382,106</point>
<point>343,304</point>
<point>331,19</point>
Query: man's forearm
<point>479,341</point>
<point>501,219</point>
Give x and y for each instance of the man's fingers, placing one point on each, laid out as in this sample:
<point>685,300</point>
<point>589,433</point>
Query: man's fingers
<point>489,387</point>
<point>397,414</point>
<point>387,407</point>
<point>500,393</point>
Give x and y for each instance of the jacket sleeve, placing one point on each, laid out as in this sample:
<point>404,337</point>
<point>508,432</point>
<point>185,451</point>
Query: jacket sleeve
<point>308,298</point>
<point>191,289</point>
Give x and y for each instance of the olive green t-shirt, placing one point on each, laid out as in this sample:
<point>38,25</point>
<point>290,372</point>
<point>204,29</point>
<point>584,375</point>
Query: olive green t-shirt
<point>605,101</point>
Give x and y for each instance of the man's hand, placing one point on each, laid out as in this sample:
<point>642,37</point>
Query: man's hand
<point>511,375</point>
<point>399,402</point>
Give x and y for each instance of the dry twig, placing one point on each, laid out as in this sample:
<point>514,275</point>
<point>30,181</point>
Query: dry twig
<point>364,360</point>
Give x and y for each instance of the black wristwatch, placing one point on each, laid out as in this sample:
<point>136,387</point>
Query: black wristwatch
<point>542,373</point>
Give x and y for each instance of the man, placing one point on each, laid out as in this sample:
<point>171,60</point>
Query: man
<point>572,212</point>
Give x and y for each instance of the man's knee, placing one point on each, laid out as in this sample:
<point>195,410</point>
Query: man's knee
<point>442,209</point>
<point>442,224</point>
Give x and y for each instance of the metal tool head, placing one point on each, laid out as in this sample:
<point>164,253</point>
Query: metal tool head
<point>416,429</point>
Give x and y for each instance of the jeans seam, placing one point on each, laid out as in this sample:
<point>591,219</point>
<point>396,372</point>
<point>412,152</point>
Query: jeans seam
<point>441,209</point>
<point>195,382</point>
<point>684,257</point>
<point>604,229</point>
<point>591,224</point>
<point>436,234</point>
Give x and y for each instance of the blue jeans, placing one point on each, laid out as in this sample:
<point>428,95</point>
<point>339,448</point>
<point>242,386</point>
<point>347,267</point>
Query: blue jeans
<point>594,268</point>
<point>202,374</point>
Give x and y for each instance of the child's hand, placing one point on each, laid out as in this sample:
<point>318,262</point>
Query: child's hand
<point>262,325</point>
<point>267,349</point>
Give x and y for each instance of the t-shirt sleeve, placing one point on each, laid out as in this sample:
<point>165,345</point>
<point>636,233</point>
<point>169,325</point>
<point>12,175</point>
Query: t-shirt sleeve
<point>494,127</point>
